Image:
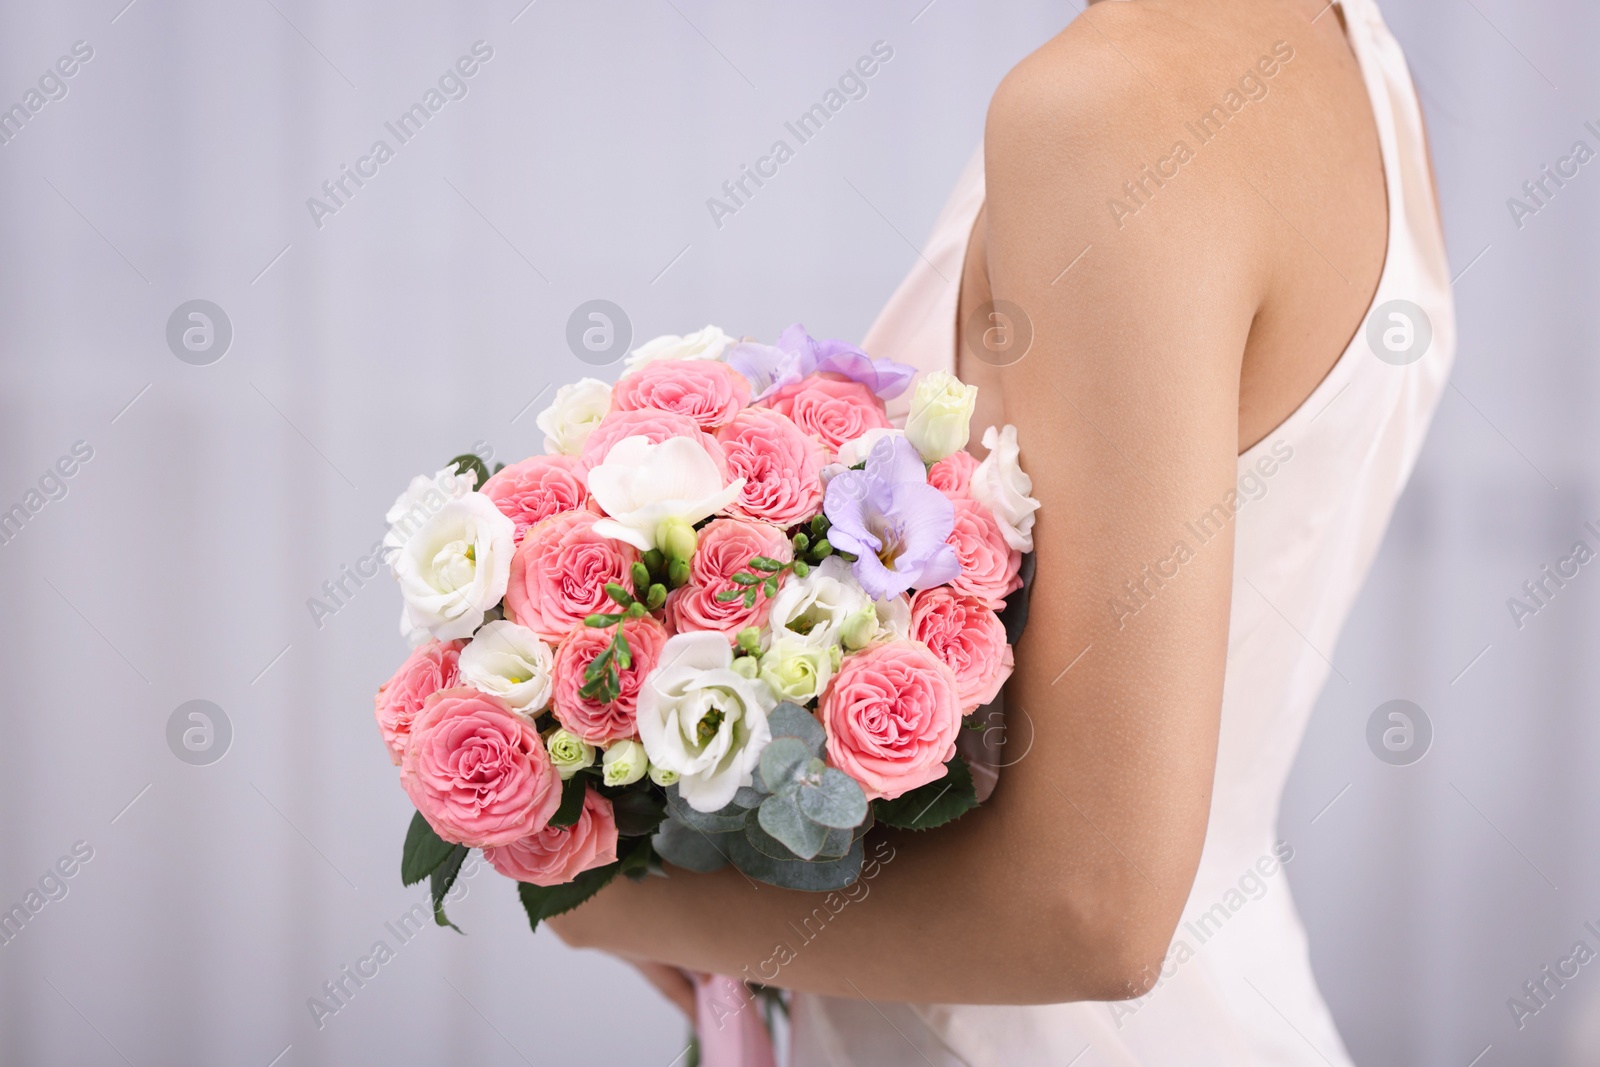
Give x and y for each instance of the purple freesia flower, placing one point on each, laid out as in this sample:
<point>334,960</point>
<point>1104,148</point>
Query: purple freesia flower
<point>797,354</point>
<point>893,521</point>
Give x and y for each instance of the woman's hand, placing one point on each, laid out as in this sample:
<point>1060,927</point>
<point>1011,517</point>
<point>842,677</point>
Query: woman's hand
<point>674,983</point>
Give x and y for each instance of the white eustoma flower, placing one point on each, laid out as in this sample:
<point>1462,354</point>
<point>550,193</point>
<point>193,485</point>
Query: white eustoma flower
<point>643,486</point>
<point>700,718</point>
<point>853,452</point>
<point>817,606</point>
<point>454,568</point>
<point>709,343</point>
<point>510,662</point>
<point>1001,485</point>
<point>573,415</point>
<point>421,501</point>
<point>941,414</point>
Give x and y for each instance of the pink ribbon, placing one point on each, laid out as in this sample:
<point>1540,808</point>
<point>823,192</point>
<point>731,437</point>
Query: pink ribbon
<point>729,1023</point>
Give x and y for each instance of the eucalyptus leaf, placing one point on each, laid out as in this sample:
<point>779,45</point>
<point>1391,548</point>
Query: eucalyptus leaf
<point>748,797</point>
<point>782,763</point>
<point>781,817</point>
<point>815,876</point>
<point>541,902</point>
<point>694,850</point>
<point>834,845</point>
<point>791,720</point>
<point>933,804</point>
<point>636,861</point>
<point>728,818</point>
<point>424,850</point>
<point>836,801</point>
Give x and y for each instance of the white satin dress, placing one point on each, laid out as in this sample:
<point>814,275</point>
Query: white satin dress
<point>1237,989</point>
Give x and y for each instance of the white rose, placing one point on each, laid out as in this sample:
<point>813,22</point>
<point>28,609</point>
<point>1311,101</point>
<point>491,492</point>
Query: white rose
<point>421,501</point>
<point>624,763</point>
<point>699,717</point>
<point>941,410</point>
<point>510,662</point>
<point>454,568</point>
<point>573,415</point>
<point>1001,485</point>
<point>708,343</point>
<point>852,452</point>
<point>647,489</point>
<point>817,606</point>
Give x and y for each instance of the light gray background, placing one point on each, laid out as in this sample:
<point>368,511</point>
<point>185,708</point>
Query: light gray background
<point>428,313</point>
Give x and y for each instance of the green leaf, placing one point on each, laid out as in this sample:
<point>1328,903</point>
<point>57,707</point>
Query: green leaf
<point>424,851</point>
<point>542,902</point>
<point>440,881</point>
<point>835,845</point>
<point>635,862</point>
<point>815,876</point>
<point>791,720</point>
<point>748,797</point>
<point>934,804</point>
<point>572,791</point>
<point>781,817</point>
<point>782,763</point>
<point>836,802</point>
<point>638,812</point>
<point>694,850</point>
<point>468,462</point>
<point>729,817</point>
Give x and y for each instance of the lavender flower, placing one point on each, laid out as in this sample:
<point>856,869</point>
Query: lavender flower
<point>893,521</point>
<point>797,354</point>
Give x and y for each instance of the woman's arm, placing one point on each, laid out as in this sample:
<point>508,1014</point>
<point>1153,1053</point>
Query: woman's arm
<point>1068,884</point>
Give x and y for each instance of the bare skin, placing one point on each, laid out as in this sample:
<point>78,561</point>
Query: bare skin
<point>1186,333</point>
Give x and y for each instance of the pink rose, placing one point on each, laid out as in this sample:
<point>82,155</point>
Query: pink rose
<point>555,856</point>
<point>477,771</point>
<point>726,547</point>
<point>709,392</point>
<point>952,475</point>
<point>988,564</point>
<point>430,668</point>
<point>892,714</point>
<point>559,574</point>
<point>836,410</point>
<point>650,423</point>
<point>970,640</point>
<point>598,723</point>
<point>537,488</point>
<point>781,466</point>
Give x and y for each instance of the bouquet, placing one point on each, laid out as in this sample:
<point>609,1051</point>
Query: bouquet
<point>731,616</point>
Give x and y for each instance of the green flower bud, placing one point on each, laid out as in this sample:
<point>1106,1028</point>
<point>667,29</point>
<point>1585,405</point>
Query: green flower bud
<point>569,752</point>
<point>800,569</point>
<point>821,550</point>
<point>678,572</point>
<point>640,574</point>
<point>859,629</point>
<point>750,639</point>
<point>636,609</point>
<point>654,560</point>
<point>746,665</point>
<point>677,539</point>
<point>624,763</point>
<point>800,542</point>
<point>656,597</point>
<point>662,777</point>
